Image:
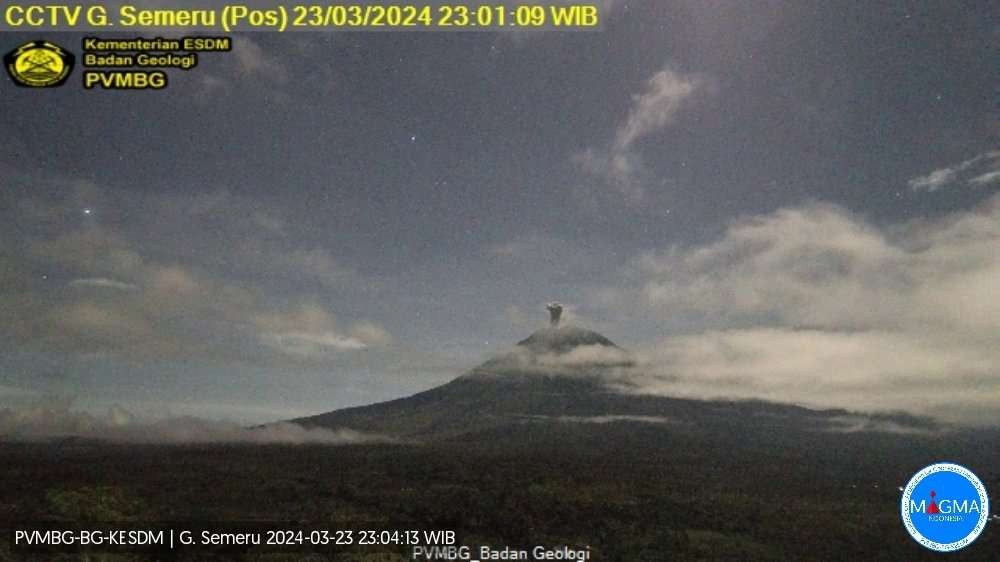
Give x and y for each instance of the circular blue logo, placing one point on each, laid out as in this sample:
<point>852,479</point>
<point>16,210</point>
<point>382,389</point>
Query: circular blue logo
<point>945,507</point>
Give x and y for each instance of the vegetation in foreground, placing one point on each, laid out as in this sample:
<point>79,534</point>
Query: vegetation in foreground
<point>823,497</point>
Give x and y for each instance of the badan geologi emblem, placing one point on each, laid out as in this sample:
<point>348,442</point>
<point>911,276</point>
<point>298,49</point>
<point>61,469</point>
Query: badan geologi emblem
<point>39,64</point>
<point>945,507</point>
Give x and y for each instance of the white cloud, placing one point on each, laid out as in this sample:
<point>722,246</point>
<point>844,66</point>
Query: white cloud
<point>102,283</point>
<point>370,333</point>
<point>652,110</point>
<point>581,357</point>
<point>815,305</point>
<point>55,419</point>
<point>585,360</point>
<point>934,180</point>
<point>820,266</point>
<point>310,344</point>
<point>623,171</point>
<point>945,177</point>
<point>855,424</point>
<point>93,250</point>
<point>655,107</point>
<point>986,179</point>
<point>860,371</point>
<point>602,420</point>
<point>203,281</point>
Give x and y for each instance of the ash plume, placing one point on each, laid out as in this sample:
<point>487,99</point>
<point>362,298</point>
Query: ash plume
<point>555,313</point>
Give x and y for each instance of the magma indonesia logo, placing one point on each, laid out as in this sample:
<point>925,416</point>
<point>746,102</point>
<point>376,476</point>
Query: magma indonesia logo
<point>39,64</point>
<point>945,507</point>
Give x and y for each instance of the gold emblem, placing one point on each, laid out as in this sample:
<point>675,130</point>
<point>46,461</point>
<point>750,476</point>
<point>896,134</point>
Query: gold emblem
<point>39,64</point>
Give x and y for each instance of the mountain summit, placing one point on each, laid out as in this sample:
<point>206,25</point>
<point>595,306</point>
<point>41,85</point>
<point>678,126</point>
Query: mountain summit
<point>558,351</point>
<point>562,339</point>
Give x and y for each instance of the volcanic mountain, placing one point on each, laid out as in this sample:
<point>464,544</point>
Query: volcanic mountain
<point>564,380</point>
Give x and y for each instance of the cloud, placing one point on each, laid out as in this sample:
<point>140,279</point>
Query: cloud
<point>986,179</point>
<point>821,266</point>
<point>946,177</point>
<point>508,250</point>
<point>90,250</point>
<point>102,283</point>
<point>310,331</point>
<point>652,110</point>
<point>815,305</point>
<point>859,371</point>
<point>855,424</point>
<point>602,420</point>
<point>583,356</point>
<point>655,107</point>
<point>623,171</point>
<point>585,360</point>
<point>934,180</point>
<point>55,419</point>
<point>214,277</point>
<point>310,344</point>
<point>370,333</point>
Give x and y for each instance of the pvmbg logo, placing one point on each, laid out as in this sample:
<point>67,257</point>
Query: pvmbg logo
<point>945,507</point>
<point>39,64</point>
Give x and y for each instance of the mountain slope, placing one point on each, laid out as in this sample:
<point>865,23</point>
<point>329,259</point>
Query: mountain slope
<point>554,382</point>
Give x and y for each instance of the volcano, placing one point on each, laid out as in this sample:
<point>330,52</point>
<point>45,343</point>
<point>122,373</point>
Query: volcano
<point>565,381</point>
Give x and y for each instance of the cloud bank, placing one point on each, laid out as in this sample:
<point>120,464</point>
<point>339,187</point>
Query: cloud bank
<point>582,360</point>
<point>815,305</point>
<point>55,419</point>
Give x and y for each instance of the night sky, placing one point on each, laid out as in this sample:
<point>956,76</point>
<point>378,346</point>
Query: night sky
<point>791,201</point>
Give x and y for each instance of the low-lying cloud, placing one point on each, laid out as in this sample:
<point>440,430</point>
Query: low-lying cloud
<point>102,283</point>
<point>857,371</point>
<point>602,420</point>
<point>216,278</point>
<point>584,360</point>
<point>55,419</point>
